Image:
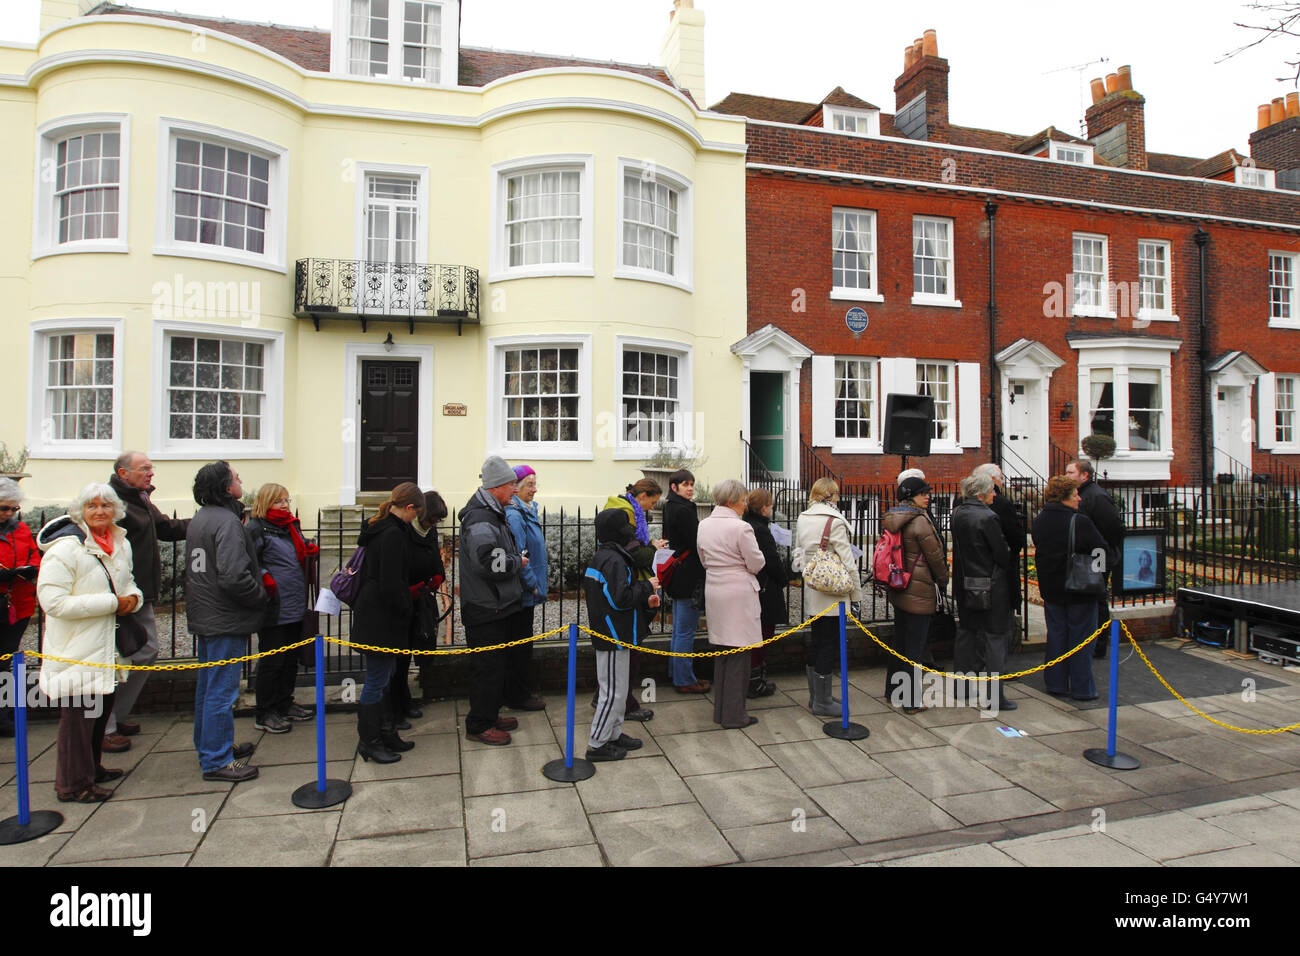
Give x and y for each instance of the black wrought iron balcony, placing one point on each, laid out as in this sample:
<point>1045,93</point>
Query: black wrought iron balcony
<point>365,290</point>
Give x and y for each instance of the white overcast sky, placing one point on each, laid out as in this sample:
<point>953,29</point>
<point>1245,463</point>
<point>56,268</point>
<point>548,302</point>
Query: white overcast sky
<point>1001,54</point>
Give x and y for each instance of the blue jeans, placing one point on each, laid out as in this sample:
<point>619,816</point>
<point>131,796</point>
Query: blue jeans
<point>1067,625</point>
<point>379,671</point>
<point>686,618</point>
<point>214,700</point>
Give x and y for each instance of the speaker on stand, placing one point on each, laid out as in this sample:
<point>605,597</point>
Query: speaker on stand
<point>909,423</point>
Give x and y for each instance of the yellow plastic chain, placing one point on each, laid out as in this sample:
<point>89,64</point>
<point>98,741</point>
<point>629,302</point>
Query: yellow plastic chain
<point>731,650</point>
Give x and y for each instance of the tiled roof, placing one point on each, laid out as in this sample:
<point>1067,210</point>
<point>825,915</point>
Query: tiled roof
<point>310,48</point>
<point>1217,164</point>
<point>1052,133</point>
<point>764,108</point>
<point>1171,164</point>
<point>840,97</point>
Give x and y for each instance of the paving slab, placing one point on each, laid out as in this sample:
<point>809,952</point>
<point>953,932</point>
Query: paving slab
<point>433,754</point>
<point>439,717</point>
<point>1167,836</point>
<point>1139,724</point>
<point>714,751</point>
<point>426,848</point>
<point>680,835</point>
<point>121,829</point>
<point>1039,719</point>
<point>586,855</point>
<point>534,728</point>
<point>283,841</point>
<point>1169,778</point>
<point>1223,758</point>
<point>744,798</point>
<point>34,852</point>
<point>633,785</point>
<point>179,736</point>
<point>165,859</point>
<point>508,769</point>
<point>984,741</point>
<point>1276,827</point>
<point>979,854</point>
<point>1068,782</point>
<point>43,797</point>
<point>788,694</point>
<point>1090,849</point>
<point>941,771</point>
<point>1290,797</point>
<point>1076,742</point>
<point>524,822</point>
<point>778,726</point>
<point>168,774</point>
<point>771,840</point>
<point>141,746</point>
<point>270,794</point>
<point>991,805</point>
<point>823,762</point>
<point>380,807</point>
<point>824,858</point>
<point>1221,807</point>
<point>895,731</point>
<point>299,744</point>
<point>1240,856</point>
<point>673,717</point>
<point>872,810</point>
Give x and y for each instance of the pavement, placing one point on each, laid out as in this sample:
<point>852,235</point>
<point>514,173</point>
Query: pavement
<point>941,788</point>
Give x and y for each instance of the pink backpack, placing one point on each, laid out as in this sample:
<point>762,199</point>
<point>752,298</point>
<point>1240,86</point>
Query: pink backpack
<point>887,562</point>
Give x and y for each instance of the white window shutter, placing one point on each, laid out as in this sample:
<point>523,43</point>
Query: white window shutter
<point>902,377</point>
<point>968,404</point>
<point>823,400</point>
<point>1266,390</point>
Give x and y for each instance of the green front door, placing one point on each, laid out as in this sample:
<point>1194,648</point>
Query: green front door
<point>767,419</point>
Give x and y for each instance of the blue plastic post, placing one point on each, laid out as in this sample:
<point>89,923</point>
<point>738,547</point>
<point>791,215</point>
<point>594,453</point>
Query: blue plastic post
<point>20,736</point>
<point>320,714</point>
<point>844,665</point>
<point>573,691</point>
<point>1114,687</point>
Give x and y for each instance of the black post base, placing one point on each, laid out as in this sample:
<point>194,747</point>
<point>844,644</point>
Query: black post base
<point>1118,762</point>
<point>42,822</point>
<point>836,729</point>
<point>310,798</point>
<point>581,770</point>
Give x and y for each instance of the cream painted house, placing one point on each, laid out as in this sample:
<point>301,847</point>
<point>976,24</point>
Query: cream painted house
<point>342,260</point>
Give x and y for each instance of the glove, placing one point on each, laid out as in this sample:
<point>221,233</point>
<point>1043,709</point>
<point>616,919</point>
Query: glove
<point>435,582</point>
<point>418,589</point>
<point>7,575</point>
<point>268,582</point>
<point>28,572</point>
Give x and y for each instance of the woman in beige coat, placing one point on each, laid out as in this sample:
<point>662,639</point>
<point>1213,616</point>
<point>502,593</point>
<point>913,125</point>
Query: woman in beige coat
<point>85,582</point>
<point>731,557</point>
<point>824,652</point>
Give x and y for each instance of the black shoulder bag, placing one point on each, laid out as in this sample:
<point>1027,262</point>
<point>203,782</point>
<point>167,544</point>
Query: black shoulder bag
<point>1080,576</point>
<point>129,634</point>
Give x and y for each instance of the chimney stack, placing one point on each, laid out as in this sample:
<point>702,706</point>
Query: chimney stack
<point>1117,120</point>
<point>923,82</point>
<point>682,53</point>
<point>1275,144</point>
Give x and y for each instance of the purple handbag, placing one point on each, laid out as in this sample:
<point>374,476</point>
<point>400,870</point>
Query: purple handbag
<point>346,583</point>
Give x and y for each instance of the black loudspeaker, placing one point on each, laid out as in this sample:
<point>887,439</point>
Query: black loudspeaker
<point>909,423</point>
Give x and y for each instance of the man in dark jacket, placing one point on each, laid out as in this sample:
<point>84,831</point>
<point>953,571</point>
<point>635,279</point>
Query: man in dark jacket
<point>145,526</point>
<point>490,593</point>
<point>680,524</point>
<point>1099,507</point>
<point>224,605</point>
<point>980,559</point>
<point>1013,532</point>
<point>615,601</point>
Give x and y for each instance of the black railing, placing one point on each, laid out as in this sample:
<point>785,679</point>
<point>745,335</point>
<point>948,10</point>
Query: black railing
<point>1012,461</point>
<point>811,466</point>
<point>370,290</point>
<point>1060,459</point>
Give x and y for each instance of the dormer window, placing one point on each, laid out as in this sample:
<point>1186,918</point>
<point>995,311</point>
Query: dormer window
<point>1072,153</point>
<point>413,40</point>
<point>857,122</point>
<point>1253,176</point>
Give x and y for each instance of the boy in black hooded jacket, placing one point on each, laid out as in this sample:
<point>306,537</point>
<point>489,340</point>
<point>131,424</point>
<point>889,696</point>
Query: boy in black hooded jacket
<point>616,603</point>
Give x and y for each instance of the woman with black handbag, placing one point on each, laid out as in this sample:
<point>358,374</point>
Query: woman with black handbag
<point>427,566</point>
<point>980,560</point>
<point>1064,538</point>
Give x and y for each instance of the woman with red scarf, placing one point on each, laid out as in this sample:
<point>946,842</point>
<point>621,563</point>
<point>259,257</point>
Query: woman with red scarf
<point>20,561</point>
<point>285,558</point>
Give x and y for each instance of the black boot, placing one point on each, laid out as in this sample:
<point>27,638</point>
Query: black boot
<point>394,709</point>
<point>388,734</point>
<point>371,744</point>
<point>759,685</point>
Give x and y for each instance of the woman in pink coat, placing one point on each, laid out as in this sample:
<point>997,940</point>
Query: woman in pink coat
<point>731,557</point>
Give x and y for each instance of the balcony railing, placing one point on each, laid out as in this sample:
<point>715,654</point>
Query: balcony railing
<point>366,290</point>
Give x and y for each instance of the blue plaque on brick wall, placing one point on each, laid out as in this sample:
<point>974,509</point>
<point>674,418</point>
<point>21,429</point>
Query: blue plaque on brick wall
<point>856,319</point>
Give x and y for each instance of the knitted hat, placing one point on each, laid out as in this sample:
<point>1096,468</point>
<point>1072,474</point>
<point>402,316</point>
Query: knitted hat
<point>497,472</point>
<point>523,471</point>
<point>911,487</point>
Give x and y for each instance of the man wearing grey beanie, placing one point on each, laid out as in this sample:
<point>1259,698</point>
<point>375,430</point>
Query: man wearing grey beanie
<point>490,593</point>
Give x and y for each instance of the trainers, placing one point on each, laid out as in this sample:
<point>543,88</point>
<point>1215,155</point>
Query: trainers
<point>272,724</point>
<point>298,714</point>
<point>231,773</point>
<point>641,714</point>
<point>606,751</point>
<point>497,738</point>
<point>629,743</point>
<point>243,751</point>
<point>506,723</point>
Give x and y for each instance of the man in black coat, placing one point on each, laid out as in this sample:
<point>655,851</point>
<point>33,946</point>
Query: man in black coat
<point>1012,524</point>
<point>1100,508</point>
<point>980,564</point>
<point>145,526</point>
<point>680,525</point>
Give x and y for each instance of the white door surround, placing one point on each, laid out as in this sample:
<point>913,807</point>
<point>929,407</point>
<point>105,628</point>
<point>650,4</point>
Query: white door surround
<point>353,353</point>
<point>771,350</point>
<point>1232,378</point>
<point>1026,369</point>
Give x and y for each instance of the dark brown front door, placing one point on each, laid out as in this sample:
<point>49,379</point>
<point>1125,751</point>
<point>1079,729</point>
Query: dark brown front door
<point>389,420</point>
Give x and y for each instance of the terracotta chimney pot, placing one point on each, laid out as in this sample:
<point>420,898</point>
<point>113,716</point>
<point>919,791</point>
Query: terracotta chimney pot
<point>1277,110</point>
<point>918,48</point>
<point>1293,104</point>
<point>1125,74</point>
<point>1263,116</point>
<point>909,57</point>
<point>1112,82</point>
<point>930,43</point>
<point>1098,89</point>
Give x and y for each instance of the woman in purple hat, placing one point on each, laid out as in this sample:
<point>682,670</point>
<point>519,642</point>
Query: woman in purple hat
<point>526,526</point>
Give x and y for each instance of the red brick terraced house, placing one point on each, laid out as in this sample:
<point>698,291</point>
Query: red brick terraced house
<point>1040,287</point>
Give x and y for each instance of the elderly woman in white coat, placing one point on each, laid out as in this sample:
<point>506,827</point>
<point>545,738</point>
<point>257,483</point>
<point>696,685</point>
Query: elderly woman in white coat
<point>85,582</point>
<point>731,557</point>
<point>822,518</point>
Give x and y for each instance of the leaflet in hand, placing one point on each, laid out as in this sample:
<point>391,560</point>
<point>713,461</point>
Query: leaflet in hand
<point>782,536</point>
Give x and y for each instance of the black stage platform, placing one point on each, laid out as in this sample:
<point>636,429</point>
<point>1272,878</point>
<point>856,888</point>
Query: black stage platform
<point>1275,606</point>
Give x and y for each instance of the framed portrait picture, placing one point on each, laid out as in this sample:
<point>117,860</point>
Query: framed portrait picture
<point>1141,564</point>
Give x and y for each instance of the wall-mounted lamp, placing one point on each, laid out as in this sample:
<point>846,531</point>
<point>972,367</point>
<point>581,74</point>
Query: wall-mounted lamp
<point>1066,410</point>
<point>388,345</point>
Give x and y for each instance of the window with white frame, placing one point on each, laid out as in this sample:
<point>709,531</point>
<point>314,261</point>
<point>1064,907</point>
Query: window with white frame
<point>935,379</point>
<point>1091,274</point>
<point>1101,407</point>
<point>855,398</point>
<point>542,218</point>
<point>1154,295</point>
<point>1145,410</point>
<point>650,406</point>
<point>650,224</point>
<point>932,259</point>
<point>220,195</point>
<point>81,185</point>
<point>856,121</point>
<point>1071,153</point>
<point>1284,398</point>
<point>398,38</point>
<point>853,250</point>
<point>216,389</point>
<point>541,390</point>
<point>1282,288</point>
<point>1254,177</point>
<point>392,217</point>
<point>1126,392</point>
<point>79,386</point>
